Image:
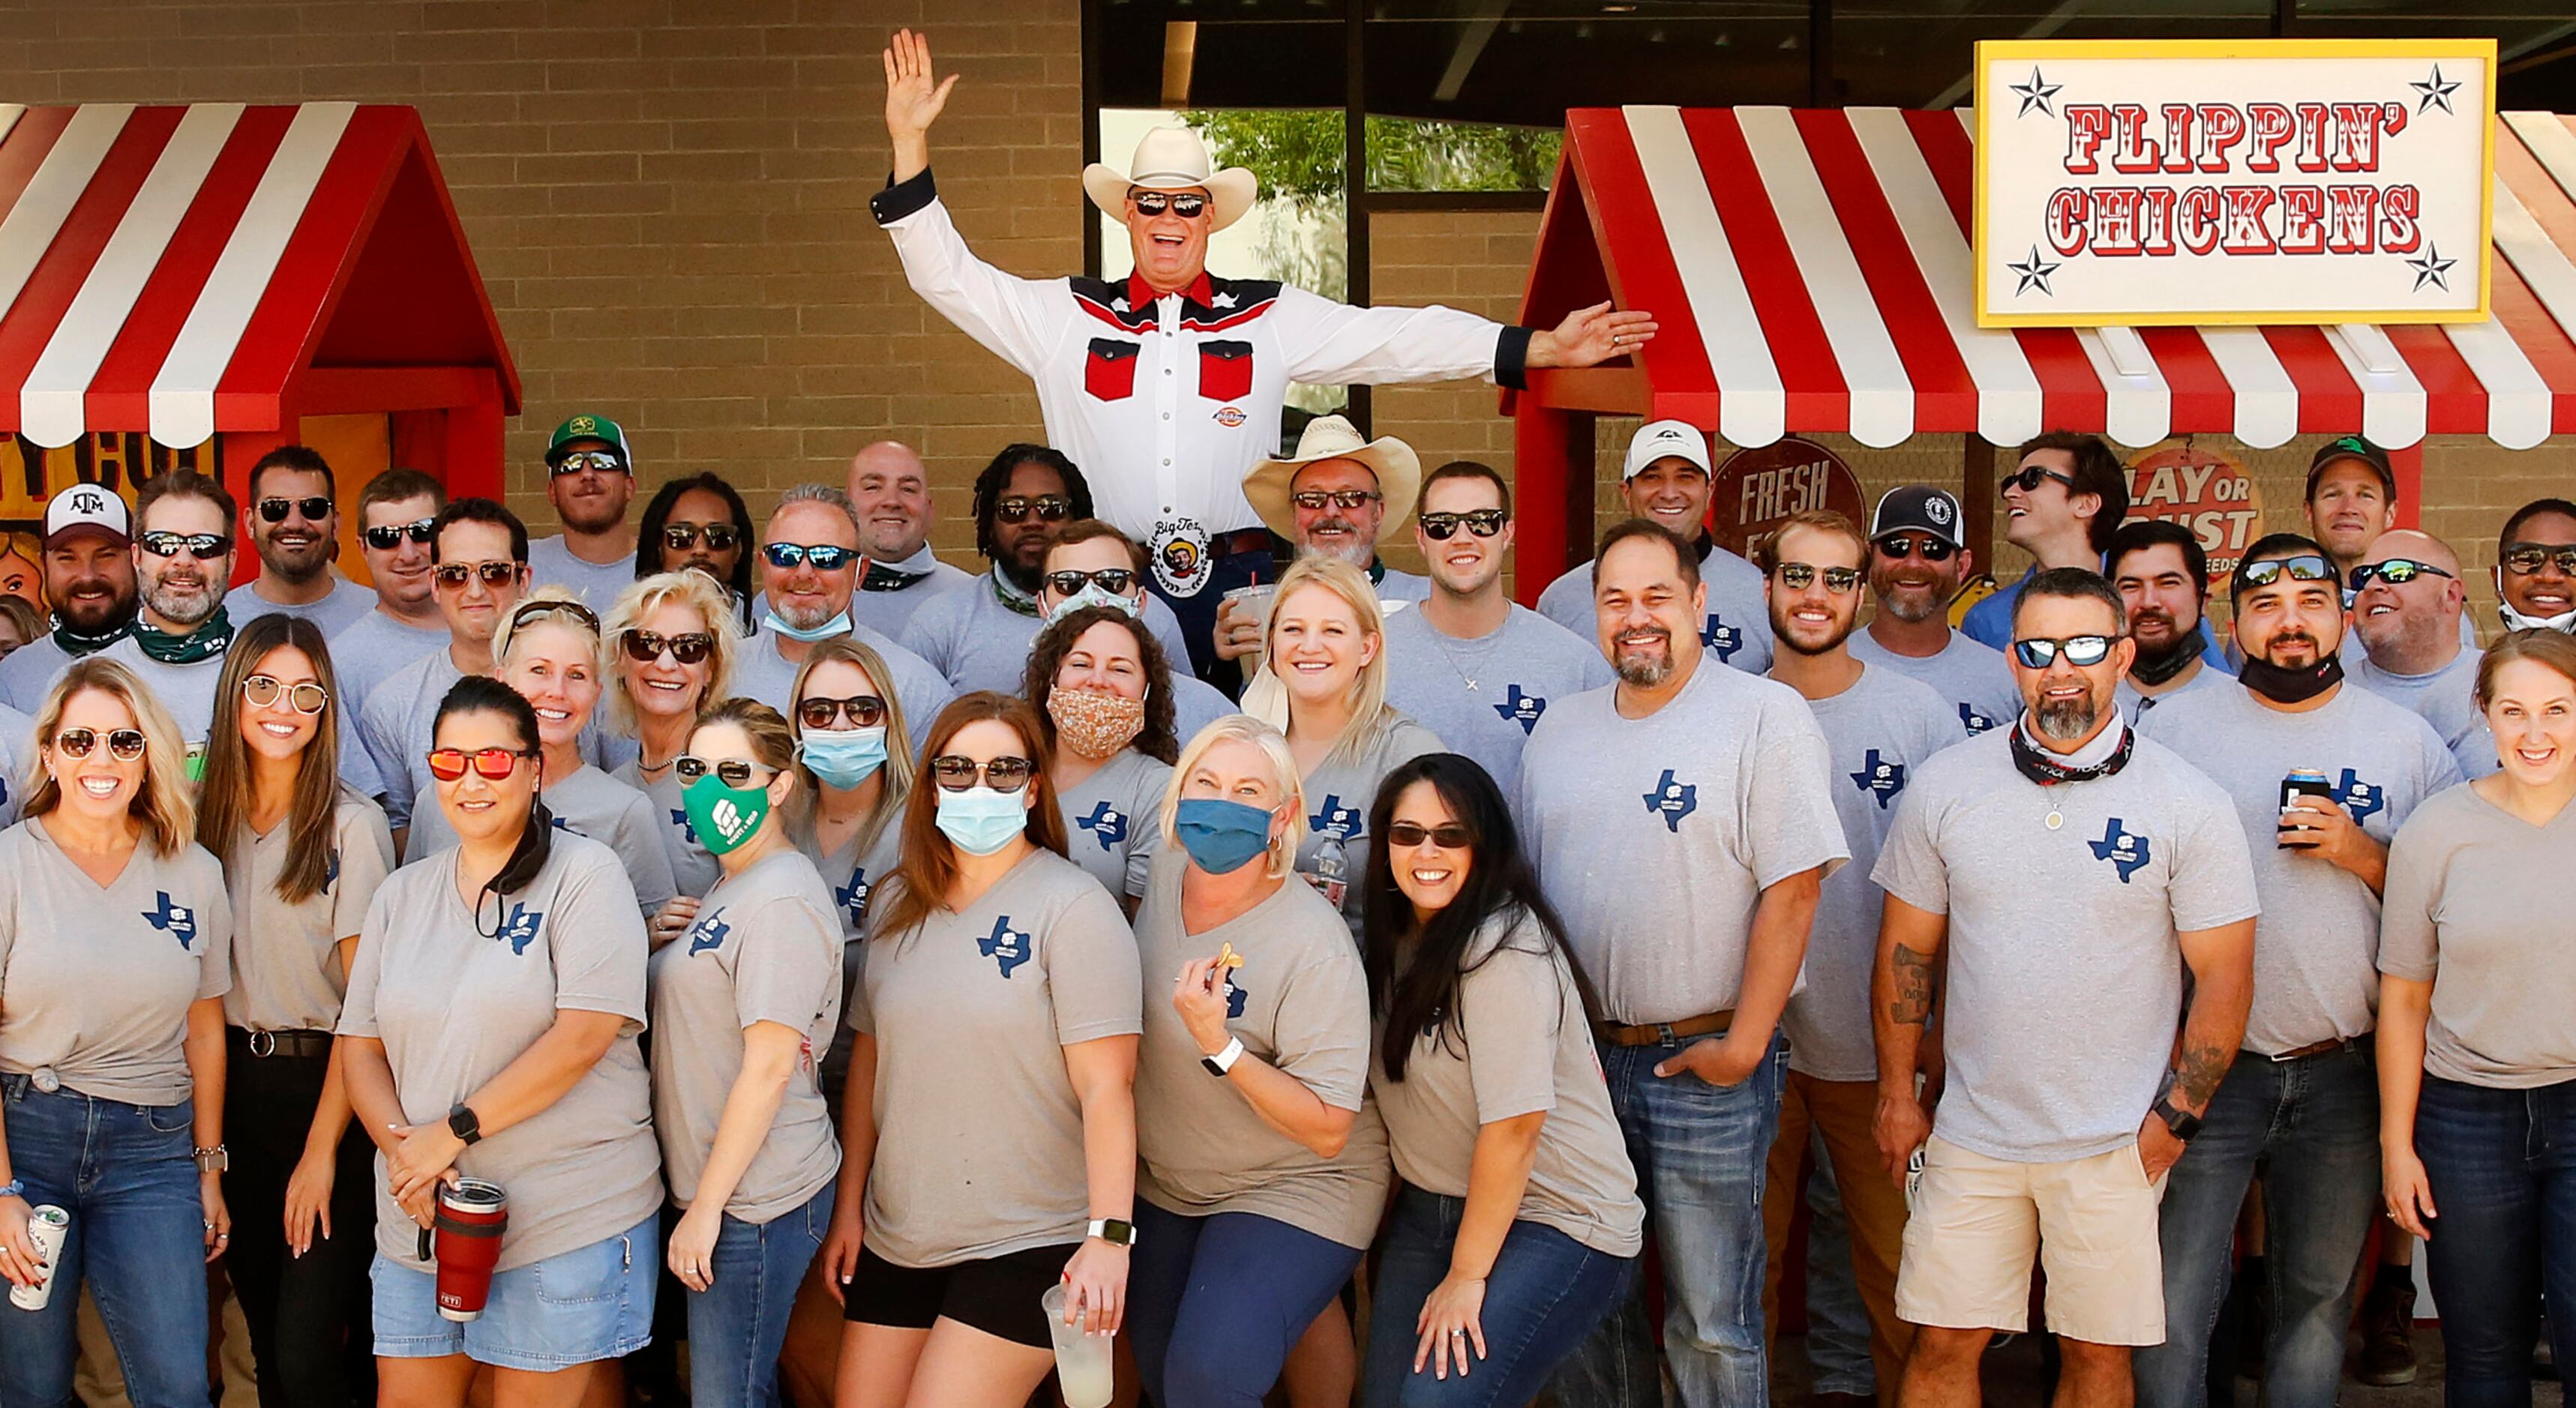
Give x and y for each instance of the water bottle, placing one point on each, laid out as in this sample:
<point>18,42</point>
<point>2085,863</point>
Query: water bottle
<point>1332,870</point>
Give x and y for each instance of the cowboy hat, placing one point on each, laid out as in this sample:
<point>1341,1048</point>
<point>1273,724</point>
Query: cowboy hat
<point>1398,471</point>
<point>1173,159</point>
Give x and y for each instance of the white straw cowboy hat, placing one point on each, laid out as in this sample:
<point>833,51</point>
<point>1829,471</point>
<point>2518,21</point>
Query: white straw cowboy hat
<point>1173,159</point>
<point>1398,471</point>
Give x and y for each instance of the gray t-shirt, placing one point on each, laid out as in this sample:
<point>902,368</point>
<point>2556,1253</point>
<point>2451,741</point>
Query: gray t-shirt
<point>286,957</point>
<point>1880,731</point>
<point>693,870</point>
<point>1522,1047</point>
<point>1196,703</point>
<point>976,642</point>
<point>2446,699</point>
<point>1483,696</point>
<point>979,1132</point>
<point>2065,971</point>
<point>1112,820</point>
<point>586,803</point>
<point>334,613</point>
<point>760,672</point>
<point>886,611</point>
<point>1737,631</point>
<point>1395,585</point>
<point>766,947</point>
<point>1338,797</point>
<point>1655,837</point>
<point>454,1008</point>
<point>2316,948</point>
<point>1972,676</point>
<point>96,980</point>
<point>29,671</point>
<point>188,692</point>
<point>2475,899</point>
<point>2136,706</point>
<point>370,650</point>
<point>551,563</point>
<point>400,724</point>
<point>1300,1003</point>
<point>18,761</point>
<point>850,877</point>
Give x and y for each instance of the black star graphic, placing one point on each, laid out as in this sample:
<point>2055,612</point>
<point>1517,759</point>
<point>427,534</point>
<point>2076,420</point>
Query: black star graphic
<point>2431,269</point>
<point>2435,91</point>
<point>2036,94</point>
<point>2034,271</point>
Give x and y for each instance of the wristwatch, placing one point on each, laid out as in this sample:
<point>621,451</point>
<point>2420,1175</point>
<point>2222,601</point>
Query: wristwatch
<point>462,1123</point>
<point>2181,1125</point>
<point>1112,1231</point>
<point>1223,1061</point>
<point>214,1160</point>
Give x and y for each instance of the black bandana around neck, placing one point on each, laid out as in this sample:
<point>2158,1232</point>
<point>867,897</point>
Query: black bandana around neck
<point>2291,686</point>
<point>76,643</point>
<point>203,643</point>
<point>2164,667</point>
<point>2048,770</point>
<point>882,578</point>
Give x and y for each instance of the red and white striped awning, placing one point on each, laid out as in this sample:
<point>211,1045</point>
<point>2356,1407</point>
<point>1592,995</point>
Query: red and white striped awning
<point>1811,271</point>
<point>175,269</point>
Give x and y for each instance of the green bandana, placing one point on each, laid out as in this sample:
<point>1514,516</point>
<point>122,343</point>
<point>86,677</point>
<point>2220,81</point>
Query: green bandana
<point>203,643</point>
<point>1009,594</point>
<point>79,643</point>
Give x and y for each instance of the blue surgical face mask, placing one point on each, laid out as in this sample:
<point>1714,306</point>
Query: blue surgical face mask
<point>1092,595</point>
<point>837,626</point>
<point>981,821</point>
<point>1221,836</point>
<point>843,758</point>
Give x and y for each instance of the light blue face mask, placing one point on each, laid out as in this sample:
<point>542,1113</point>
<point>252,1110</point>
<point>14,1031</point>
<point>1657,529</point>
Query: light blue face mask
<point>981,821</point>
<point>1092,595</point>
<point>843,758</point>
<point>837,626</point>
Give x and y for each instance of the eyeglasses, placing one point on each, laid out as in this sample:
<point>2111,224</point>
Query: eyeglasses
<point>492,764</point>
<point>1449,836</point>
<point>825,557</point>
<point>1797,576</point>
<point>494,574</point>
<point>1898,547</point>
<point>864,711</point>
<point>262,692</point>
<point>527,611</point>
<point>316,508</point>
<point>204,547</point>
<point>604,461</point>
<point>2524,559</point>
<point>2396,572</point>
<point>1441,527</point>
<point>1312,499</point>
<point>2306,567</point>
<point>1113,580</point>
<point>680,537</point>
<point>124,744</point>
<point>1050,508</point>
<point>2030,475</point>
<point>957,773</point>
<point>2039,652</point>
<point>387,537</point>
<point>688,647</point>
<point>1188,206</point>
<point>732,772</point>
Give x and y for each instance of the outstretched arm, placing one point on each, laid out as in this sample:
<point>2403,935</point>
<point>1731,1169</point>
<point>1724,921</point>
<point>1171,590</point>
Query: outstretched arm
<point>913,101</point>
<point>1590,336</point>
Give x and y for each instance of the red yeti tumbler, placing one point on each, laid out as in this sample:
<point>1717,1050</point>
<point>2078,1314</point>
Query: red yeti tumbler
<point>472,1214</point>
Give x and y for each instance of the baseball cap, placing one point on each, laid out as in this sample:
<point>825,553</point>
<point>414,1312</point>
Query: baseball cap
<point>589,427</point>
<point>1919,508</point>
<point>88,506</point>
<point>2352,447</point>
<point>1665,439</point>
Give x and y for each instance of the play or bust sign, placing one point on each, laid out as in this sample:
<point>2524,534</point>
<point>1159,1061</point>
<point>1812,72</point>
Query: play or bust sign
<point>2233,181</point>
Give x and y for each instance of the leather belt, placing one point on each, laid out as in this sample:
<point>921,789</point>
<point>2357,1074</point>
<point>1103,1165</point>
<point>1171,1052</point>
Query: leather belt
<point>288,1043</point>
<point>1241,540</point>
<point>2317,1048</point>
<point>1665,1033</point>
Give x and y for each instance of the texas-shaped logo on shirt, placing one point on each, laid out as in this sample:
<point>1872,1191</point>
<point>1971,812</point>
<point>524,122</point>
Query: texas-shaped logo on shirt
<point>177,920</point>
<point>1335,820</point>
<point>1234,998</point>
<point>2358,797</point>
<point>2124,849</point>
<point>707,933</point>
<point>1672,801</point>
<point>1106,824</point>
<point>331,868</point>
<point>521,928</point>
<point>1720,637</point>
<point>853,897</point>
<point>1006,946</point>
<point>1976,721</point>
<point>680,819</point>
<point>1522,709</point>
<point>1880,776</point>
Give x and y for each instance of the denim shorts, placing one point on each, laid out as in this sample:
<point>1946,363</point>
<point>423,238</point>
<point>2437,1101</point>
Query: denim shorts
<point>575,1307</point>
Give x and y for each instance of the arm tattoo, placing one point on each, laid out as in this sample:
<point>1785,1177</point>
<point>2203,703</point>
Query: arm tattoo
<point>1913,1004</point>
<point>2199,1072</point>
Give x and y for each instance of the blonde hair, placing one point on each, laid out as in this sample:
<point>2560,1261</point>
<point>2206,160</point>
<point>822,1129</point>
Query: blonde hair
<point>688,587</point>
<point>1243,728</point>
<point>1267,699</point>
<point>162,803</point>
<point>522,617</point>
<point>899,768</point>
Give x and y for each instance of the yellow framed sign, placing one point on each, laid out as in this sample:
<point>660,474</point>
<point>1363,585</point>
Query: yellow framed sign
<point>2194,181</point>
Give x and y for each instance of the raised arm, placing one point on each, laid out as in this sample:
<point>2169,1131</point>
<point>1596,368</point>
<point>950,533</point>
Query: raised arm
<point>913,102</point>
<point>1284,1102</point>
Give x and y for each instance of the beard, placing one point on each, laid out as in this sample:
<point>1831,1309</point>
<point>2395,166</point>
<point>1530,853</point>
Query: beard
<point>2276,647</point>
<point>184,600</point>
<point>1913,612</point>
<point>1642,667</point>
<point>1788,635</point>
<point>1355,549</point>
<point>806,618</point>
<point>2068,719</point>
<point>90,615</point>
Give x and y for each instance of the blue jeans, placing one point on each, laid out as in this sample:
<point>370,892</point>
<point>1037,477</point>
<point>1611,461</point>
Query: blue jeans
<point>137,1238</point>
<point>1214,1304</point>
<point>2312,1128</point>
<point>1837,1322</point>
<point>1700,1152</point>
<point>1546,1291</point>
<point>2502,1164</point>
<point>738,1324</point>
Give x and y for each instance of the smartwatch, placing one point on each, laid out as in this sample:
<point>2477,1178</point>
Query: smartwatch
<point>2183,1126</point>
<point>1223,1061</point>
<point>462,1123</point>
<point>1112,1231</point>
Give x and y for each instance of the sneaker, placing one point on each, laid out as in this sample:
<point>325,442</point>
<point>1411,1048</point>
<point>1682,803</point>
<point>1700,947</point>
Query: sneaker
<point>2388,1336</point>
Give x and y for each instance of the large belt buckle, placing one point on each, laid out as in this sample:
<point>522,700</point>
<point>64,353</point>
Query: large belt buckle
<point>1669,1037</point>
<point>45,1078</point>
<point>256,1044</point>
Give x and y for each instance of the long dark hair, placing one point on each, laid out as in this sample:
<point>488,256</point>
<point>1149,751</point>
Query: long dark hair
<point>1157,739</point>
<point>481,694</point>
<point>223,801</point>
<point>996,477</point>
<point>657,514</point>
<point>1414,969</point>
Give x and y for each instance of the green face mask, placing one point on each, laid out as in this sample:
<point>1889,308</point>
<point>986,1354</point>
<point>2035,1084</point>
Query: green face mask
<point>724,818</point>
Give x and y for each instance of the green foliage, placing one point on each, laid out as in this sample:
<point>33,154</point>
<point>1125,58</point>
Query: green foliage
<point>1298,154</point>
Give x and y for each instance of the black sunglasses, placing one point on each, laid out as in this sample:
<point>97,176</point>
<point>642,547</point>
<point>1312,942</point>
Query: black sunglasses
<point>1188,206</point>
<point>732,772</point>
<point>1050,508</point>
<point>1113,580</point>
<point>605,461</point>
<point>1798,576</point>
<point>1449,836</point>
<point>1346,499</point>
<point>387,537</point>
<point>825,557</point>
<point>680,537</point>
<point>2030,475</point>
<point>2306,567</point>
<point>316,508</point>
<point>1441,527</point>
<point>2396,572</point>
<point>957,773</point>
<point>865,710</point>
<point>2039,652</point>
<point>494,574</point>
<point>124,744</point>
<point>205,547</point>
<point>2524,559</point>
<point>1899,546</point>
<point>688,647</point>
<point>527,611</point>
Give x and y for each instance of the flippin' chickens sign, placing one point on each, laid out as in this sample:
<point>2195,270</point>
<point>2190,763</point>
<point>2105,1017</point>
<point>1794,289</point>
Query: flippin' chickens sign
<point>2233,181</point>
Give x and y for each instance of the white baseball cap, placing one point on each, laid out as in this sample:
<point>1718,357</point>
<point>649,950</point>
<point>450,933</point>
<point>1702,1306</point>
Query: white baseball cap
<point>1665,439</point>
<point>88,506</point>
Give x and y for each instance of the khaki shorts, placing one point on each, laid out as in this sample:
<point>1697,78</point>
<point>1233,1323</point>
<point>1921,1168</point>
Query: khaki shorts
<point>1976,1221</point>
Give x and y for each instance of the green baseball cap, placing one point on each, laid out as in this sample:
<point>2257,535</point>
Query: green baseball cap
<point>589,427</point>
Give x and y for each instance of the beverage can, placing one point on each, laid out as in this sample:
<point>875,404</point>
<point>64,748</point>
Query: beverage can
<point>47,1226</point>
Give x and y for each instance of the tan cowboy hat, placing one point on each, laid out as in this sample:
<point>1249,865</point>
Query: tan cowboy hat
<point>1398,471</point>
<point>1173,159</point>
